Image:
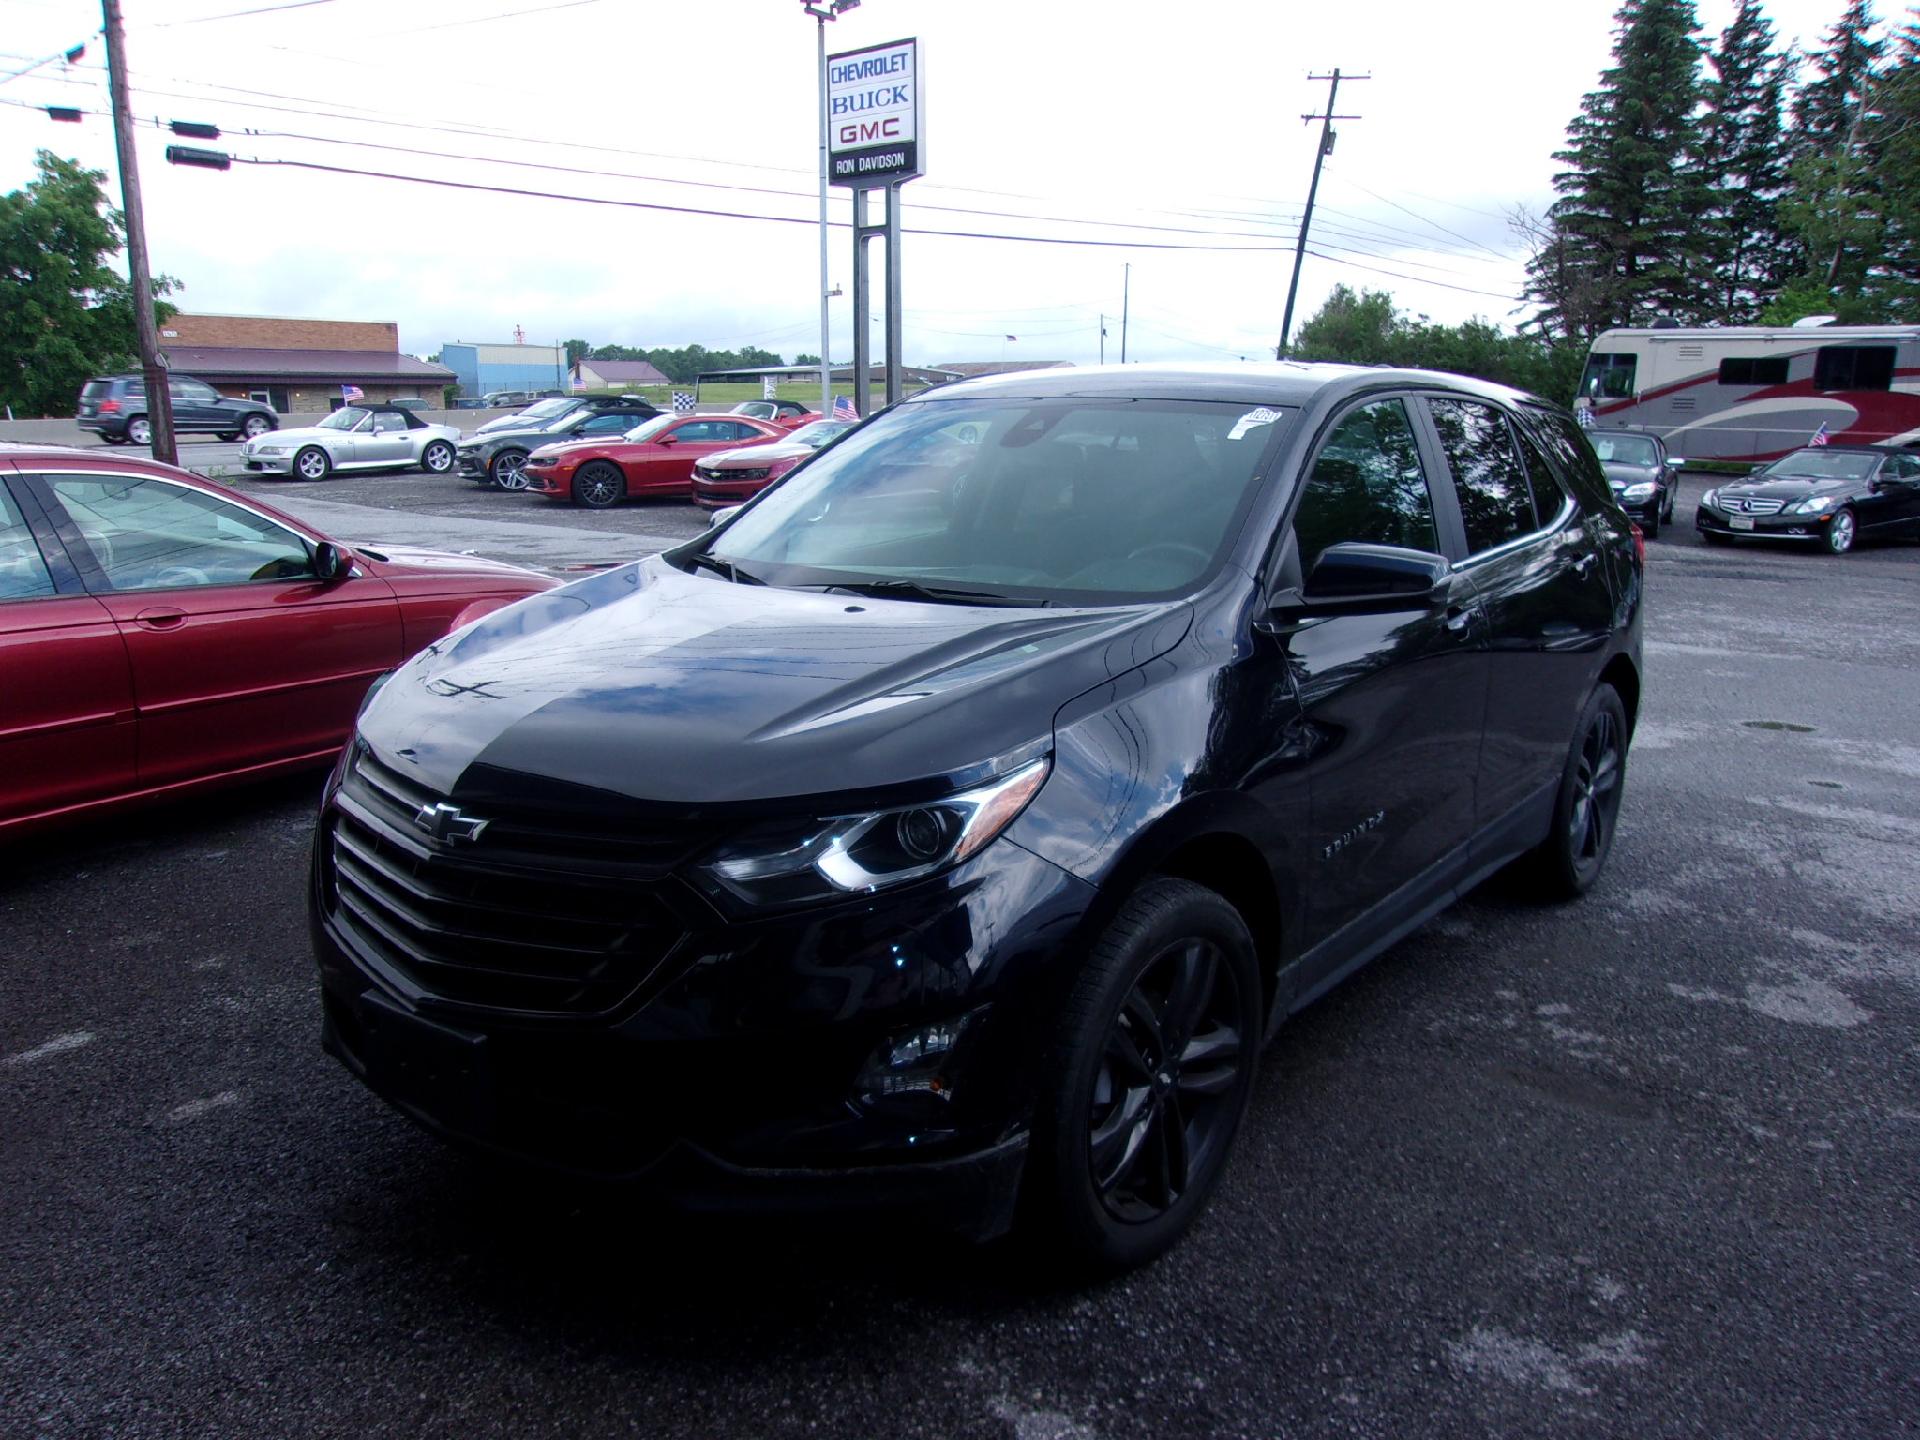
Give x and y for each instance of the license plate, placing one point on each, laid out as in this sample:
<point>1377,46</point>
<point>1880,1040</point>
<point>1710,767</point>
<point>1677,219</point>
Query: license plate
<point>1740,522</point>
<point>437,1068</point>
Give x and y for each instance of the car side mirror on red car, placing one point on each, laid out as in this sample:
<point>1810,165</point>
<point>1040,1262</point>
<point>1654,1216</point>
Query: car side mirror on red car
<point>329,564</point>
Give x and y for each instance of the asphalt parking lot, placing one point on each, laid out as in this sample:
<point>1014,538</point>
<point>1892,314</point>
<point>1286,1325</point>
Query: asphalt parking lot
<point>1644,1165</point>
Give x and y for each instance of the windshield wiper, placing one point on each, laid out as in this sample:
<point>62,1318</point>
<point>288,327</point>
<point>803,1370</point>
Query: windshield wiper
<point>939,594</point>
<point>724,568</point>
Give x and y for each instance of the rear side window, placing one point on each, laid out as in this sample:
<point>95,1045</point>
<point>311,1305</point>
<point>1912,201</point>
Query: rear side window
<point>1853,367</point>
<point>1567,448</point>
<point>1496,503</point>
<point>23,570</point>
<point>1367,485</point>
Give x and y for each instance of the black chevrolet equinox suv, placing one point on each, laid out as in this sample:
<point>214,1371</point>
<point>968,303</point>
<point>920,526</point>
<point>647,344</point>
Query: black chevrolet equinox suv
<point>952,825</point>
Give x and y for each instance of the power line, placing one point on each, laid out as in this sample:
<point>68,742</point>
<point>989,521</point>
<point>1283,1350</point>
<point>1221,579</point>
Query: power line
<point>1423,219</point>
<point>238,14</point>
<point>1395,274</point>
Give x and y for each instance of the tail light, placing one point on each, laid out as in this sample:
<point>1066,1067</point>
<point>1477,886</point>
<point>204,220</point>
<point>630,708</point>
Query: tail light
<point>109,407</point>
<point>1639,545</point>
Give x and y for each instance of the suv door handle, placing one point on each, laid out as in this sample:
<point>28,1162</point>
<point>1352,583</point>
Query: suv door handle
<point>160,619</point>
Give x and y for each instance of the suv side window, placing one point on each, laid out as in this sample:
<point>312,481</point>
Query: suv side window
<point>1567,446</point>
<point>1495,501</point>
<point>1367,484</point>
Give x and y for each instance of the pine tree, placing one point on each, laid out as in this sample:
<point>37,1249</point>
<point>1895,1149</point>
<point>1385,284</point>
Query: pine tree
<point>1625,245</point>
<point>1891,146</point>
<point>1743,163</point>
<point>1833,209</point>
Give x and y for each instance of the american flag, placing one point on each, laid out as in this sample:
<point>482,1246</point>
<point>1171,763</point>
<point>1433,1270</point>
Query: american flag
<point>843,408</point>
<point>352,392</point>
<point>683,402</point>
<point>1820,435</point>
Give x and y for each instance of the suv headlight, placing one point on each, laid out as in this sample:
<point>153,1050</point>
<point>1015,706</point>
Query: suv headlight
<point>1712,497</point>
<point>1817,505</point>
<point>852,854</point>
<point>1642,491</point>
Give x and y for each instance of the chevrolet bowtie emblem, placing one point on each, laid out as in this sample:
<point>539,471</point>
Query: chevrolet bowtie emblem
<point>444,822</point>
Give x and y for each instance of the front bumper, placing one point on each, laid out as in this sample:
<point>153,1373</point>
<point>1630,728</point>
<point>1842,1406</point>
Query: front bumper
<point>471,463</point>
<point>753,1063</point>
<point>543,480</point>
<point>270,464</point>
<point>1801,528</point>
<point>718,494</point>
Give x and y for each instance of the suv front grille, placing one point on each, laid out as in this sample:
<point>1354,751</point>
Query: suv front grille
<point>1748,505</point>
<point>532,916</point>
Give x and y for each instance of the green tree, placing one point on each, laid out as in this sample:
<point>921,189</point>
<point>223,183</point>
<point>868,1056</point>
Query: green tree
<point>1623,244</point>
<point>1890,144</point>
<point>65,313</point>
<point>1743,159</point>
<point>578,350</point>
<point>1369,329</point>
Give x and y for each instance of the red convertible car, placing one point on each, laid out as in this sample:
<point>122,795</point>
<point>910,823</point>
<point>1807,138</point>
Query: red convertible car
<point>654,459</point>
<point>160,633</point>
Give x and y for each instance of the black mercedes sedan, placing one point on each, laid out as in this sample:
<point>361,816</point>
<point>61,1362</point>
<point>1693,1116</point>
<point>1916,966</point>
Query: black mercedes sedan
<point>1833,496</point>
<point>952,826</point>
<point>1643,479</point>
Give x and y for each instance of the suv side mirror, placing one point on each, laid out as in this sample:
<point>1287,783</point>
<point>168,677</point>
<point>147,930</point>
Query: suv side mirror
<point>1351,571</point>
<point>329,564</point>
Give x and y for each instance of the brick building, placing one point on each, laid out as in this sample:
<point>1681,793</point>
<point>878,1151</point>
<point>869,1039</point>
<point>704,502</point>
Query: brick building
<point>298,366</point>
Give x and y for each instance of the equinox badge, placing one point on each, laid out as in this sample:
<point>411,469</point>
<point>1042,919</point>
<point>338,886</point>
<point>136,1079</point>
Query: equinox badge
<point>444,822</point>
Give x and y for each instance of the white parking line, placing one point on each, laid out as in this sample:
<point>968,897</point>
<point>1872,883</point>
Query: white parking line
<point>58,1045</point>
<point>194,1109</point>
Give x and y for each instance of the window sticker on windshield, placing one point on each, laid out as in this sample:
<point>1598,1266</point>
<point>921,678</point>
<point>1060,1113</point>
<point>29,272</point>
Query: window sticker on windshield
<point>1251,419</point>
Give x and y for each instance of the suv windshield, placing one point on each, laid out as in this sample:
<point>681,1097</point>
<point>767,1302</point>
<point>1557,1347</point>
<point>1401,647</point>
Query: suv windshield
<point>1625,450</point>
<point>1099,500</point>
<point>1821,464</point>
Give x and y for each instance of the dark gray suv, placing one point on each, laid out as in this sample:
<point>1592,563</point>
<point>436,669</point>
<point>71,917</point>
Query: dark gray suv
<point>115,409</point>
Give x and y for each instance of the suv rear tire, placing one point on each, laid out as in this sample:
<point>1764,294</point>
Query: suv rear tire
<point>1586,811</point>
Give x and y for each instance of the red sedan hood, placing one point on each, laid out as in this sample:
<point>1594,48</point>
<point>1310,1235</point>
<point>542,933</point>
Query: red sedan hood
<point>460,572</point>
<point>756,455</point>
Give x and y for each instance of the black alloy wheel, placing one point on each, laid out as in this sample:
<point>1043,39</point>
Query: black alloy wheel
<point>1588,807</point>
<point>1652,528</point>
<point>599,485</point>
<point>437,458</point>
<point>1159,1044</point>
<point>1842,530</point>
<point>509,470</point>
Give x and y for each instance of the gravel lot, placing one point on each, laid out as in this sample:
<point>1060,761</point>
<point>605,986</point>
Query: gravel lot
<point>1644,1165</point>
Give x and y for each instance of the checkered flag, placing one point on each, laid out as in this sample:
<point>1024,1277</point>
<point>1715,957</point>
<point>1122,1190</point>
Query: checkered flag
<point>769,388</point>
<point>683,402</point>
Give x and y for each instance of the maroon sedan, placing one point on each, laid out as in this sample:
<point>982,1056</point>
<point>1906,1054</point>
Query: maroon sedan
<point>734,477</point>
<point>655,459</point>
<point>160,634</point>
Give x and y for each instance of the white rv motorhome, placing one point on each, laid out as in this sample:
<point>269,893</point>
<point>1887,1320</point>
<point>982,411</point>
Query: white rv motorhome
<point>1757,392</point>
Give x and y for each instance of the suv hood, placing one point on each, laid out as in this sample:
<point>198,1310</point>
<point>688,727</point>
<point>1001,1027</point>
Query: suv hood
<point>652,685</point>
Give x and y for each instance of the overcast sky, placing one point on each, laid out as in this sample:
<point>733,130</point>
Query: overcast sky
<point>1118,121</point>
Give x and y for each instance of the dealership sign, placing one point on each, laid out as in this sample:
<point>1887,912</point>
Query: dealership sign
<point>875,125</point>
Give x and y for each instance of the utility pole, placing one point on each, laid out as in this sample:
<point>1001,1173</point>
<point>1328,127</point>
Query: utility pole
<point>159,398</point>
<point>1306,220</point>
<point>1126,285</point>
<point>1103,339</point>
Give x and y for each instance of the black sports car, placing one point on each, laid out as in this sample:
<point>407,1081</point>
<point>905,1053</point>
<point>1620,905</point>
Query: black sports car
<point>494,454</point>
<point>1830,495</point>
<point>1642,478</point>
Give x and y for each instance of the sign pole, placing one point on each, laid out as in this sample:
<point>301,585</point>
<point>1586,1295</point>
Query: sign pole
<point>895,316</point>
<point>862,308</point>
<point>826,333</point>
